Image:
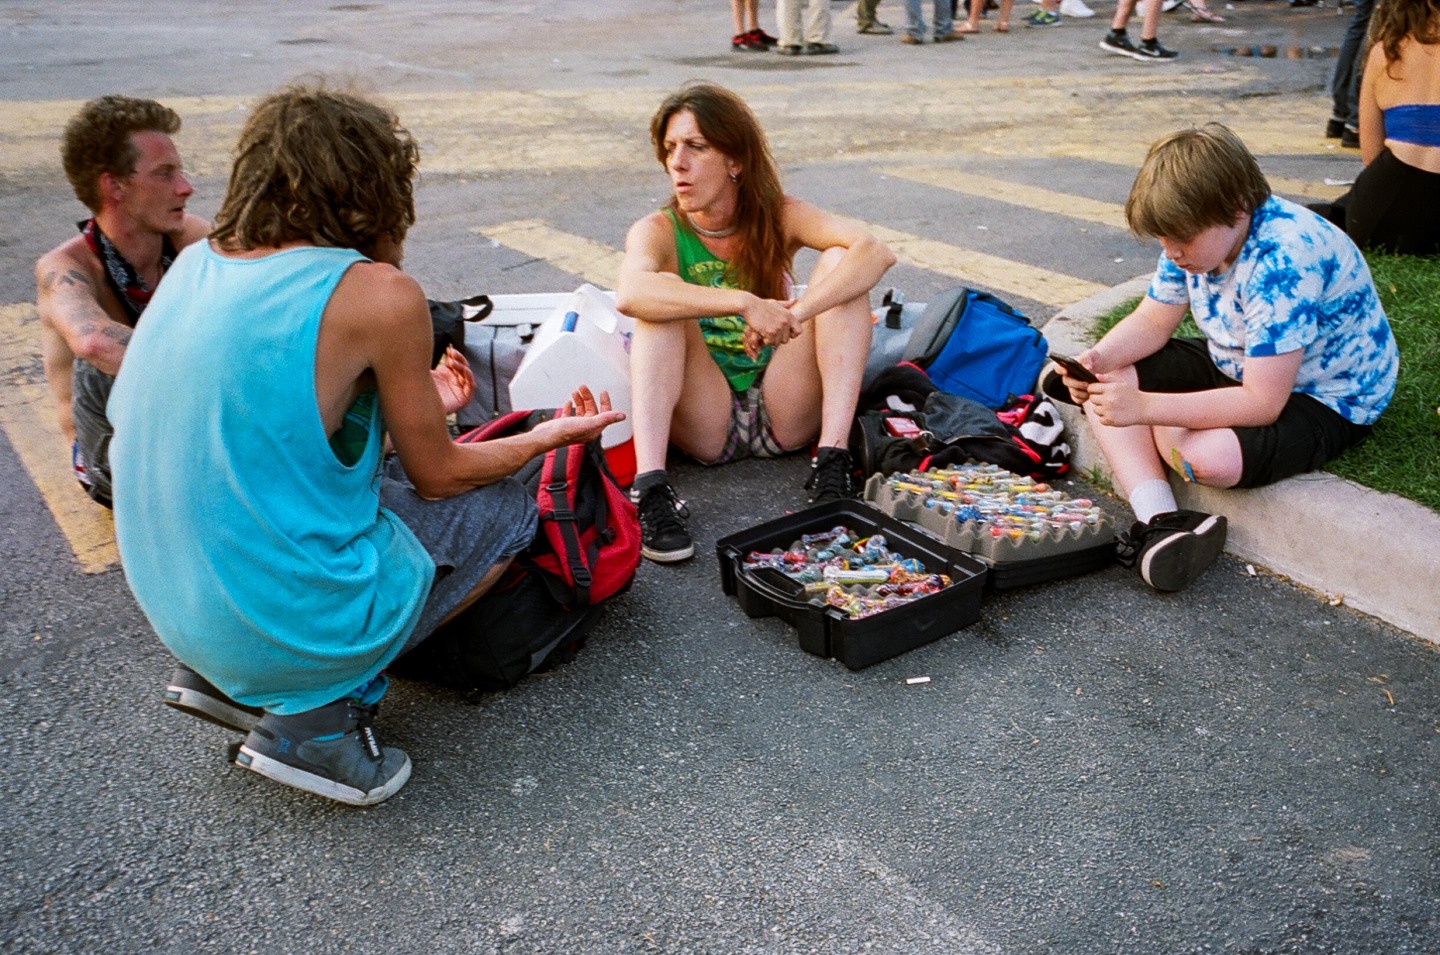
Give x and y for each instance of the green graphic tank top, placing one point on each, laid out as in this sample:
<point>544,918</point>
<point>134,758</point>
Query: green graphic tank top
<point>725,335</point>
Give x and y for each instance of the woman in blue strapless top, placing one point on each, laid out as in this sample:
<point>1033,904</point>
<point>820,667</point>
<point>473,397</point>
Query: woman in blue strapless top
<point>1395,204</point>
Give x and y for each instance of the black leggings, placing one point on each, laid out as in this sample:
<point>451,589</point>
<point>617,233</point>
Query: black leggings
<point>1394,207</point>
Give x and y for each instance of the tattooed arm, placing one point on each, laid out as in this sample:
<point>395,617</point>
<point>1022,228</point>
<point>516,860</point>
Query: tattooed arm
<point>72,322</point>
<point>68,299</point>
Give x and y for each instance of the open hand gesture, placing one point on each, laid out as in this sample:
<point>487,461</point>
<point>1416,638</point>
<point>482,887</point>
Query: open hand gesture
<point>582,419</point>
<point>454,381</point>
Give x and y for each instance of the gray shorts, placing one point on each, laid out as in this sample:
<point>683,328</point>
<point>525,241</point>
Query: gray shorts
<point>466,535</point>
<point>90,390</point>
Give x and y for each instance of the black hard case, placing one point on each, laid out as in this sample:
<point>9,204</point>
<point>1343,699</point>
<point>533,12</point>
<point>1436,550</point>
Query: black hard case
<point>1023,573</point>
<point>825,631</point>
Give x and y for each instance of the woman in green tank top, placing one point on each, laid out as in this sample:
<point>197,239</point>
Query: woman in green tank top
<point>725,362</point>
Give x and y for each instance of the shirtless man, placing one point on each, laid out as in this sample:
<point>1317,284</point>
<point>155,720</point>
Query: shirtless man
<point>91,289</point>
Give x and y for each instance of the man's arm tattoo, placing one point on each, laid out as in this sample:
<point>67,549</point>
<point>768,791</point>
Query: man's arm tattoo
<point>118,333</point>
<point>71,277</point>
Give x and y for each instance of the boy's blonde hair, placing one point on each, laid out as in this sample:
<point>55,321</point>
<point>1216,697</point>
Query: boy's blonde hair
<point>1194,179</point>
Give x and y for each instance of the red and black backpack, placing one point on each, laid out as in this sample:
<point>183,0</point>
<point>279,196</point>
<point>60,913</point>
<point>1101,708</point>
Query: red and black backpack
<point>588,544</point>
<point>538,615</point>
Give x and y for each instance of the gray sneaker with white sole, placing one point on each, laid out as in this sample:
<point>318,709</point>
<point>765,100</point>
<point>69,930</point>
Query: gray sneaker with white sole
<point>330,751</point>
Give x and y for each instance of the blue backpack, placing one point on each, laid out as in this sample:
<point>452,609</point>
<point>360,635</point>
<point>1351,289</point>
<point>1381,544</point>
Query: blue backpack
<point>974,345</point>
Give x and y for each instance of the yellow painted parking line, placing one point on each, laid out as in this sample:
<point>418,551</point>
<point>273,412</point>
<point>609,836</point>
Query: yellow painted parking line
<point>595,262</point>
<point>27,414</point>
<point>1015,193</point>
<point>977,268</point>
<point>1066,204</point>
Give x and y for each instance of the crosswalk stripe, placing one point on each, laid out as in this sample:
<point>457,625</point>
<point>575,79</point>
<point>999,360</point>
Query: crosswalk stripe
<point>976,268</point>
<point>1015,193</point>
<point>27,414</point>
<point>599,264</point>
<point>593,261</point>
<point>1067,204</point>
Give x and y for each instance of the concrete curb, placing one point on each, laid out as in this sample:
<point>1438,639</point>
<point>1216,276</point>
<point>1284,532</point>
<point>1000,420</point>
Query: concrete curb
<point>1378,552</point>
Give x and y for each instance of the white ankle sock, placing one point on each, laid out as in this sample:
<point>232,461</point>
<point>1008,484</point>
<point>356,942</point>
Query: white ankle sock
<point>1149,498</point>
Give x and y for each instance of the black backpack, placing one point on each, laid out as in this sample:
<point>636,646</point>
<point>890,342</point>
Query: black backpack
<point>905,423</point>
<point>514,630</point>
<point>447,322</point>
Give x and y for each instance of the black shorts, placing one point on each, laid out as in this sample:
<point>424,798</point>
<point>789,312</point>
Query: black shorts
<point>1304,437</point>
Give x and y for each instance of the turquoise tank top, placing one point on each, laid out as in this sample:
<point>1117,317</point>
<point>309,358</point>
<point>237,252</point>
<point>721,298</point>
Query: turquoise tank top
<point>260,559</point>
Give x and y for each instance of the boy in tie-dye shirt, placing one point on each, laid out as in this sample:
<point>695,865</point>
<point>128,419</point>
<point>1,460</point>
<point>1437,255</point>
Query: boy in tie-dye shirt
<point>1296,363</point>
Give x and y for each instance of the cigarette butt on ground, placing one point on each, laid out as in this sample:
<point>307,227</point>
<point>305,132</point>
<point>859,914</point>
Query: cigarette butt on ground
<point>911,681</point>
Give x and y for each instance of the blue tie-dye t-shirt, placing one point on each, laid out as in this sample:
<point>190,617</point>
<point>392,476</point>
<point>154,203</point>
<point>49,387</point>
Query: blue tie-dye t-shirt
<point>1298,283</point>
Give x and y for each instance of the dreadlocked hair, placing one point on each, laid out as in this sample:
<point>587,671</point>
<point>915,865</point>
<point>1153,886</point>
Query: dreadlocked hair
<point>323,166</point>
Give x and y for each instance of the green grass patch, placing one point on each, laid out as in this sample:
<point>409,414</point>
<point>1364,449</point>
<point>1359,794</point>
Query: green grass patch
<point>1402,453</point>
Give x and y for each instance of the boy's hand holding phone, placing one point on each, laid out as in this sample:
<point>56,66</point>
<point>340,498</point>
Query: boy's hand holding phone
<point>1072,370</point>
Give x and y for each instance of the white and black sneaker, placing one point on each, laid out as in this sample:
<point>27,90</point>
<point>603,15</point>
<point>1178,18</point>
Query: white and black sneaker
<point>1149,51</point>
<point>1173,549</point>
<point>664,535</point>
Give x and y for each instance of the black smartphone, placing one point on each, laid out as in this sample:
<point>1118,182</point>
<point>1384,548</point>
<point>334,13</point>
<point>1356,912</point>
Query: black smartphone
<point>1076,370</point>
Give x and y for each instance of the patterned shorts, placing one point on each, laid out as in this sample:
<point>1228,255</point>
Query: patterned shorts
<point>750,435</point>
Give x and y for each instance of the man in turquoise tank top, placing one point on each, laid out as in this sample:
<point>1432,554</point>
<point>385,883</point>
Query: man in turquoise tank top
<point>726,362</point>
<point>273,548</point>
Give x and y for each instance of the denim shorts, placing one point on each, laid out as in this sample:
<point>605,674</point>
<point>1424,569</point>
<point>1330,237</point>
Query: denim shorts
<point>465,535</point>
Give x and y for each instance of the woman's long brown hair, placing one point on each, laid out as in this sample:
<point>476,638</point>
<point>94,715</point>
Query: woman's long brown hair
<point>763,263</point>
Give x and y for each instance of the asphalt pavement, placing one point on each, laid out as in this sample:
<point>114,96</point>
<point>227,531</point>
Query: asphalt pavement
<point>1092,767</point>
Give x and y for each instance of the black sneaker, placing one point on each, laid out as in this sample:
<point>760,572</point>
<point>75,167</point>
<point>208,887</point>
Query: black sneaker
<point>1173,549</point>
<point>1152,50</point>
<point>832,476</point>
<point>189,692</point>
<point>1149,51</point>
<point>1118,41</point>
<point>664,535</point>
<point>330,751</point>
<point>1350,138</point>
